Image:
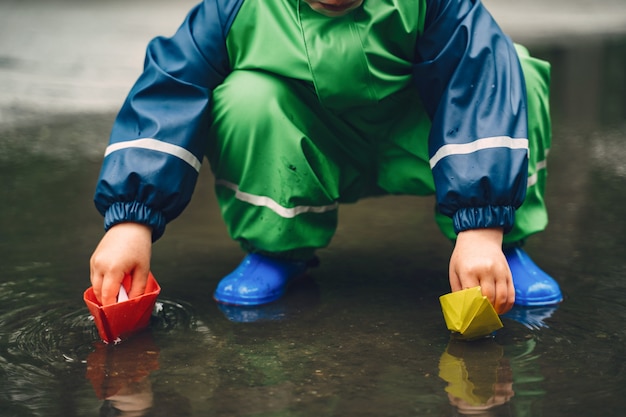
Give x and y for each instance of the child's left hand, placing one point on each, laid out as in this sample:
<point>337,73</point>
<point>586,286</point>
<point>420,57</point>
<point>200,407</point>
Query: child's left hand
<point>478,259</point>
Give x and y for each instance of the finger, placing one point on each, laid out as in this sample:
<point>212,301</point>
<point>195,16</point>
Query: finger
<point>469,281</point>
<point>111,284</point>
<point>455,282</point>
<point>488,289</point>
<point>510,292</point>
<point>501,296</point>
<point>505,293</point>
<point>96,284</point>
<point>96,280</point>
<point>138,283</point>
<point>501,300</point>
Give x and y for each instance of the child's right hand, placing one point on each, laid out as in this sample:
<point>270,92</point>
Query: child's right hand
<point>125,249</point>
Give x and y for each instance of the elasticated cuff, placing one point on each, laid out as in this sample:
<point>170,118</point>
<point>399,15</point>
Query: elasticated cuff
<point>484,217</point>
<point>137,213</point>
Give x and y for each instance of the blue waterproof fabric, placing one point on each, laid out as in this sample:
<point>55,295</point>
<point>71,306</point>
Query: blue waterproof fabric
<point>472,86</point>
<point>170,103</point>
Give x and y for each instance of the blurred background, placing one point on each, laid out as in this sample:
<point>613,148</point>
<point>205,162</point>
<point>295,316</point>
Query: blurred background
<point>73,56</point>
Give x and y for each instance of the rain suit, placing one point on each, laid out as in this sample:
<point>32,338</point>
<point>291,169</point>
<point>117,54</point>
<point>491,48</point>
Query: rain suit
<point>298,112</point>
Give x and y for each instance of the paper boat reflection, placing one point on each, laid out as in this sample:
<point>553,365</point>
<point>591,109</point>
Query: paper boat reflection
<point>123,370</point>
<point>479,376</point>
<point>118,321</point>
<point>469,314</point>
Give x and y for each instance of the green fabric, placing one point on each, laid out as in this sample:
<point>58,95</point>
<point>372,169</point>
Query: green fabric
<point>353,60</point>
<point>316,112</point>
<point>272,139</point>
<point>266,36</point>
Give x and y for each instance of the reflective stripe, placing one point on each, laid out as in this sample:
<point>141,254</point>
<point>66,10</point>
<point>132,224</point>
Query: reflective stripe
<point>262,201</point>
<point>157,145</point>
<point>532,179</point>
<point>478,145</point>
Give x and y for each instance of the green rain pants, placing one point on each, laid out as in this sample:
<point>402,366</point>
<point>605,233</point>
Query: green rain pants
<point>283,162</point>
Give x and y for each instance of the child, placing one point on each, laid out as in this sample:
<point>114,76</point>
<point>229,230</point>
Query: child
<point>300,105</point>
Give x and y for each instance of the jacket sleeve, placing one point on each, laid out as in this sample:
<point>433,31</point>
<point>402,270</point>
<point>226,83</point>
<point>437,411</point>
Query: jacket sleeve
<point>158,139</point>
<point>470,80</point>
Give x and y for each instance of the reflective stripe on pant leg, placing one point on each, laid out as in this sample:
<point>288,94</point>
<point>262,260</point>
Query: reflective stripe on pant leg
<point>532,216</point>
<point>277,189</point>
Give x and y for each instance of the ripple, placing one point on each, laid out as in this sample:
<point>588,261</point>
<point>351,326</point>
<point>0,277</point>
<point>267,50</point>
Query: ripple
<point>52,334</point>
<point>56,335</point>
<point>170,315</point>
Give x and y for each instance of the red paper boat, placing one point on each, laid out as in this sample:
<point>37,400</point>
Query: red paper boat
<point>120,320</point>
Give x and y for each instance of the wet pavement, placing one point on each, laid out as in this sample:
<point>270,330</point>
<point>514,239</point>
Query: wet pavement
<point>364,336</point>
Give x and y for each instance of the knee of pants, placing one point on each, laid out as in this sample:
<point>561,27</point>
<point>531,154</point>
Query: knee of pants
<point>249,110</point>
<point>249,97</point>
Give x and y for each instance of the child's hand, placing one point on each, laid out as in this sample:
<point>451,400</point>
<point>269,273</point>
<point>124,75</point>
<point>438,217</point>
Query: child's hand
<point>125,249</point>
<point>478,259</point>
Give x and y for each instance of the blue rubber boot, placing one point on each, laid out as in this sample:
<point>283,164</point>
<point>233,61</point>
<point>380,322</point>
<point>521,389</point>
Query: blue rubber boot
<point>533,287</point>
<point>258,280</point>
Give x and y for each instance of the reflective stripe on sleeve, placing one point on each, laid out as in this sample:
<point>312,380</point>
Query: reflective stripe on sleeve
<point>157,145</point>
<point>478,145</point>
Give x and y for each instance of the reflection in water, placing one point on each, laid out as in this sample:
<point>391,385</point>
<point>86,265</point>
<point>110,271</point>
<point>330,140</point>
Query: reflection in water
<point>486,378</point>
<point>533,318</point>
<point>301,295</point>
<point>479,377</point>
<point>120,374</point>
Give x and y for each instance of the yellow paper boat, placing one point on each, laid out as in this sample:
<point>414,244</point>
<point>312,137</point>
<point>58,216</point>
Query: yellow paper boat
<point>469,313</point>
